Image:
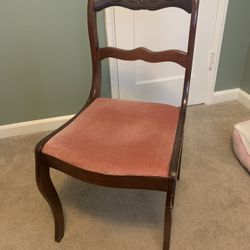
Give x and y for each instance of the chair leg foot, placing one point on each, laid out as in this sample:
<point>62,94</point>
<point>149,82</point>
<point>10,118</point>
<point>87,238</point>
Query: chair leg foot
<point>48,191</point>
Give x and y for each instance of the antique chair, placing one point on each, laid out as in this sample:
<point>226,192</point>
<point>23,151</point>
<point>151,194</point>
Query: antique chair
<point>119,143</point>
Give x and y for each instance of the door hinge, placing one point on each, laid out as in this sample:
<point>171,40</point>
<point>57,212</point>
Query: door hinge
<point>211,62</point>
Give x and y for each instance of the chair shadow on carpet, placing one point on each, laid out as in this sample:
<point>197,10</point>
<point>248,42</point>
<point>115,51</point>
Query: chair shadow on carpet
<point>115,205</point>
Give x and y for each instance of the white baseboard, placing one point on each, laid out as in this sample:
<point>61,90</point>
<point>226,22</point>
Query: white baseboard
<point>29,127</point>
<point>231,95</point>
<point>225,95</point>
<point>23,128</point>
<point>244,98</point>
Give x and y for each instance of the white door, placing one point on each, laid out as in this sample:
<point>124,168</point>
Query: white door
<point>161,30</point>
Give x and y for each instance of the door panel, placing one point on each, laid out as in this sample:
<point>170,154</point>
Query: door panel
<point>161,30</point>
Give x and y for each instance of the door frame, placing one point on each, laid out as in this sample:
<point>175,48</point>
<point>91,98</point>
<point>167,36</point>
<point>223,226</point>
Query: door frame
<point>214,52</point>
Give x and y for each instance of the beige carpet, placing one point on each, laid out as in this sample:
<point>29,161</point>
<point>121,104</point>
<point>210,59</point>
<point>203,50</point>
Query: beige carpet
<point>212,208</point>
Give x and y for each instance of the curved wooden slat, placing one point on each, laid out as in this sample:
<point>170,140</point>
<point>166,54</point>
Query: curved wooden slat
<point>144,4</point>
<point>144,54</point>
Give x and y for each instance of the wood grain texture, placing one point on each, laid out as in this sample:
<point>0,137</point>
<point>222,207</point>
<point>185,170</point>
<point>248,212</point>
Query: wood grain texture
<point>144,54</point>
<point>144,4</point>
<point>118,181</point>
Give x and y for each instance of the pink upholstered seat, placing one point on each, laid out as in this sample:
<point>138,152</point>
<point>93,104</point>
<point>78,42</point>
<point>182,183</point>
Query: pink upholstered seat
<point>118,137</point>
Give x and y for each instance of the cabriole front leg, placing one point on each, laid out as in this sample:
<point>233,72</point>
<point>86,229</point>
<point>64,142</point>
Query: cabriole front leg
<point>48,191</point>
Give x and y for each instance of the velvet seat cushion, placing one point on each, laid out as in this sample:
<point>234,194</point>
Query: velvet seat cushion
<point>241,143</point>
<point>118,137</point>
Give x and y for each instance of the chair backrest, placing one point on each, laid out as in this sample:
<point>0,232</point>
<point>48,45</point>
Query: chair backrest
<point>182,58</point>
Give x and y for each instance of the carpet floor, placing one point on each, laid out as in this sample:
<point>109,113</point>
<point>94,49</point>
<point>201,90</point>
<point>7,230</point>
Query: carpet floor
<point>212,205</point>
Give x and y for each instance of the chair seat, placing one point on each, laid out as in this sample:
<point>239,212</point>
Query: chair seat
<point>117,137</point>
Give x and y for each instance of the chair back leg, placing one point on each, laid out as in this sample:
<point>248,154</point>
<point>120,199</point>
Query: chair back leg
<point>179,161</point>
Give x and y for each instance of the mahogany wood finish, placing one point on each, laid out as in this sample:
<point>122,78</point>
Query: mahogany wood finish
<point>166,184</point>
<point>144,4</point>
<point>144,54</point>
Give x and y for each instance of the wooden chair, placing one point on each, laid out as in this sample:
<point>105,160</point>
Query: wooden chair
<point>119,143</point>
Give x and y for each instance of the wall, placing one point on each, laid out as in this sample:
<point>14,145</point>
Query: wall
<point>45,67</point>
<point>235,45</point>
<point>245,82</point>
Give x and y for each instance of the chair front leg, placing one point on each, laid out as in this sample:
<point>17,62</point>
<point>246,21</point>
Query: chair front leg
<point>168,215</point>
<point>48,191</point>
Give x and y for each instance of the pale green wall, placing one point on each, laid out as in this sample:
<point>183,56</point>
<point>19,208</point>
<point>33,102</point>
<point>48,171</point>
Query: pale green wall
<point>235,45</point>
<point>245,82</point>
<point>45,67</point>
